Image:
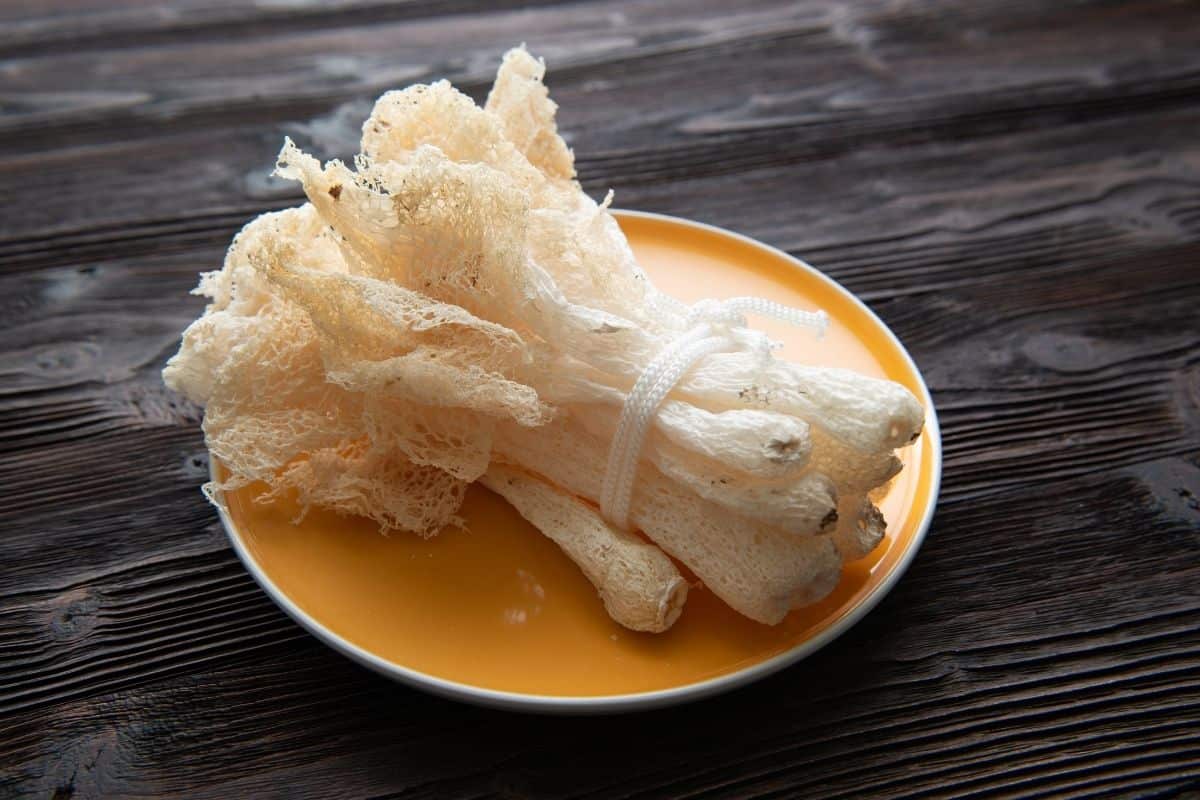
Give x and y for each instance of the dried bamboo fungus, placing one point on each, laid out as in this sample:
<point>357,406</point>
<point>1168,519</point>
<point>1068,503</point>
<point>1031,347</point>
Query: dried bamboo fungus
<point>640,587</point>
<point>760,571</point>
<point>455,309</point>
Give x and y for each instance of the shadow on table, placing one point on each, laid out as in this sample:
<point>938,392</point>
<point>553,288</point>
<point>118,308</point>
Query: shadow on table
<point>801,716</point>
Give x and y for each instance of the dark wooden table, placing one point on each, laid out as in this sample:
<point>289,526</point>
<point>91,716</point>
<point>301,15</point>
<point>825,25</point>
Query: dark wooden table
<point>1013,185</point>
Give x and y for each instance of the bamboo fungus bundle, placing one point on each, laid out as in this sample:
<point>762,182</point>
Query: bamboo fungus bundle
<point>455,309</point>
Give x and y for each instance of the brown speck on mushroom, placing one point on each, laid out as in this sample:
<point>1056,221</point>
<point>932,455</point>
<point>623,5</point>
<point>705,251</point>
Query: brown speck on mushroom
<point>335,191</point>
<point>782,449</point>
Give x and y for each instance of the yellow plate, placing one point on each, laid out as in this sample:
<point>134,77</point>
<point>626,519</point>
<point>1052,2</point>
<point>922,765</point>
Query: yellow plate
<point>496,614</point>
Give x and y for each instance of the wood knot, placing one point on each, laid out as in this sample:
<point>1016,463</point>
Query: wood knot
<point>1173,486</point>
<point>195,465</point>
<point>69,359</point>
<point>75,615</point>
<point>1067,352</point>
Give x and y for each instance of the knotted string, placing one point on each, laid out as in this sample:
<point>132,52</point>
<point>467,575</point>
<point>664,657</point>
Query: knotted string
<point>714,325</point>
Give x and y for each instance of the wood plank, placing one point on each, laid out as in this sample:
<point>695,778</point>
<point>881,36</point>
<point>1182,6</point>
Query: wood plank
<point>953,680</point>
<point>855,66</point>
<point>69,26</point>
<point>107,644</point>
<point>1104,174</point>
<point>1073,378</point>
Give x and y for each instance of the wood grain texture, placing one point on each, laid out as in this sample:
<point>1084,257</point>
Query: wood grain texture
<point>1013,186</point>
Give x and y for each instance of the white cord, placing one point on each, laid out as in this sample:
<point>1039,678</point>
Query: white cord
<point>715,325</point>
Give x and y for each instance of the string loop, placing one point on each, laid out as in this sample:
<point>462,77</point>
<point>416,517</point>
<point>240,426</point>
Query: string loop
<point>714,326</point>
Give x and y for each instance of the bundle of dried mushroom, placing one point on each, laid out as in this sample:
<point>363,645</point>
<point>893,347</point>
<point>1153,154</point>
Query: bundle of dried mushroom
<point>455,309</point>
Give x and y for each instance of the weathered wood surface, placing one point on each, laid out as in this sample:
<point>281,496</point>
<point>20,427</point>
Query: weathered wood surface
<point>1014,186</point>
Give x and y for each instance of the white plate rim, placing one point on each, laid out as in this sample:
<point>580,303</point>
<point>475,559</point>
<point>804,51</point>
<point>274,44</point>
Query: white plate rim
<point>659,698</point>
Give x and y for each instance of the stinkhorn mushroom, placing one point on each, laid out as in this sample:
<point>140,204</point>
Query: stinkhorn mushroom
<point>455,309</point>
